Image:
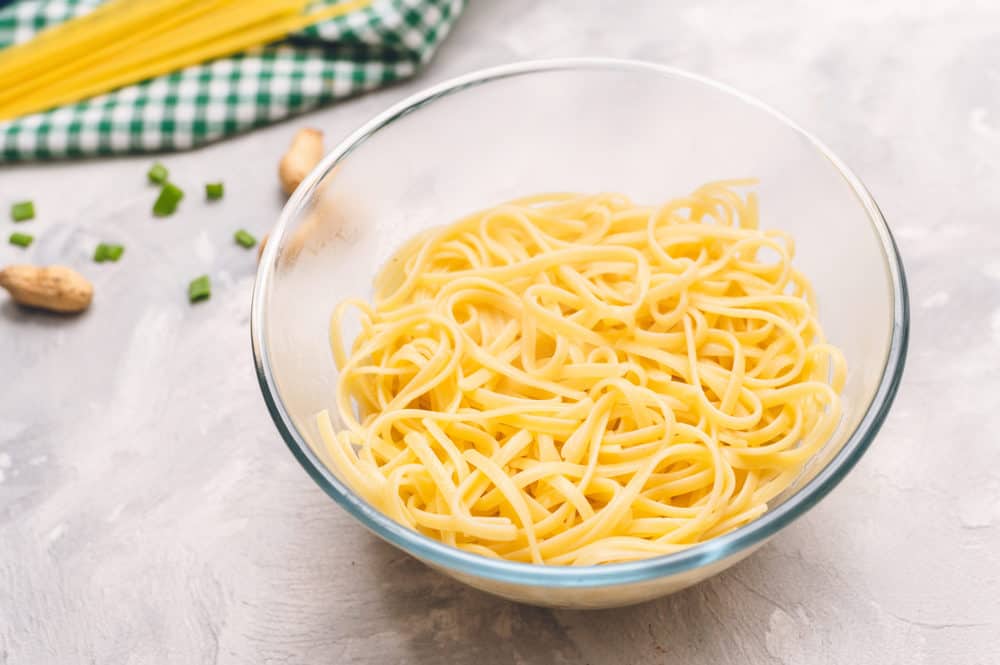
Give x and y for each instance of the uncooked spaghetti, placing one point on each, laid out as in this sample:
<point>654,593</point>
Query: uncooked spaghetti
<point>126,41</point>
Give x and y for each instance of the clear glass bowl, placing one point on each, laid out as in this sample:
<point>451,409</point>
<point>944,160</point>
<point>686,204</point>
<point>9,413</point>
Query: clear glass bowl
<point>582,125</point>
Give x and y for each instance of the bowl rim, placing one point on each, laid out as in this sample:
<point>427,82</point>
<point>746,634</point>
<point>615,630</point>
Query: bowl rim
<point>455,560</point>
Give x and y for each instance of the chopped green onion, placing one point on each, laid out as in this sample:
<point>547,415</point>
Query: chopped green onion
<point>245,239</point>
<point>106,252</point>
<point>213,191</point>
<point>158,173</point>
<point>200,288</point>
<point>21,239</point>
<point>166,202</point>
<point>23,211</point>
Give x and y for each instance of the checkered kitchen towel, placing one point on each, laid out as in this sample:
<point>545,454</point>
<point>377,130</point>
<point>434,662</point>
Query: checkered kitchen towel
<point>385,42</point>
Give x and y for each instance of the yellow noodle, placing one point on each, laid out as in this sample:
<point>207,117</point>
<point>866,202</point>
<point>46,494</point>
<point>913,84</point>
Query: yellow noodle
<point>573,379</point>
<point>128,41</point>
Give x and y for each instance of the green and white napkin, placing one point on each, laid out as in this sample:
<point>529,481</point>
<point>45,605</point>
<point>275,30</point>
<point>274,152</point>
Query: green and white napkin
<point>385,42</point>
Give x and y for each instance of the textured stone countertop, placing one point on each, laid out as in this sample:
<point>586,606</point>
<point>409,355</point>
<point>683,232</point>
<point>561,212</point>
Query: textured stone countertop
<point>149,512</point>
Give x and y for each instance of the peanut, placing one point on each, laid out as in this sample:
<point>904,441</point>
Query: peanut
<point>304,153</point>
<point>320,224</point>
<point>54,288</point>
<point>261,246</point>
<point>295,242</point>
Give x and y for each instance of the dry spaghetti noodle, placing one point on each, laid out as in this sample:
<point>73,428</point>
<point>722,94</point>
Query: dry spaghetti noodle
<point>126,41</point>
<point>570,379</point>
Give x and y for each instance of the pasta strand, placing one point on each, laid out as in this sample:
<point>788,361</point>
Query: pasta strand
<point>574,380</point>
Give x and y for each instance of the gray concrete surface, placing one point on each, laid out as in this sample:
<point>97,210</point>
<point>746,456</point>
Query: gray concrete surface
<point>150,514</point>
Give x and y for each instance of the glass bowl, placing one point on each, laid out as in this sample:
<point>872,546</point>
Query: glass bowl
<point>585,125</point>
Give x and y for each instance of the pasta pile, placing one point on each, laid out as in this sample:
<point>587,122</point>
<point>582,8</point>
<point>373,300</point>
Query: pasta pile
<point>575,379</point>
<point>126,41</point>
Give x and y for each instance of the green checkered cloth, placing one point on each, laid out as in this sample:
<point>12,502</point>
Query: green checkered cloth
<point>385,42</point>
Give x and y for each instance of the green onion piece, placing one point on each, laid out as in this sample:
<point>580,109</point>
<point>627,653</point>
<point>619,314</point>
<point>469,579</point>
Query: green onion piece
<point>200,288</point>
<point>23,211</point>
<point>166,202</point>
<point>245,239</point>
<point>213,191</point>
<point>158,173</point>
<point>21,239</point>
<point>106,252</point>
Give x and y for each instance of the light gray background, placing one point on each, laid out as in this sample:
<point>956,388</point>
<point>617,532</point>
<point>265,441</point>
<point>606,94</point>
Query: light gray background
<point>149,512</point>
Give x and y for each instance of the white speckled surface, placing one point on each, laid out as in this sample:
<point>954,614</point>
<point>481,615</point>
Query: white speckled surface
<point>150,514</point>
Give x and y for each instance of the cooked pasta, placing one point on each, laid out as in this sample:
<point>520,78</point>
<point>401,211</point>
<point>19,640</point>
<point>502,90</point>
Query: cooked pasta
<point>576,379</point>
<point>127,41</point>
